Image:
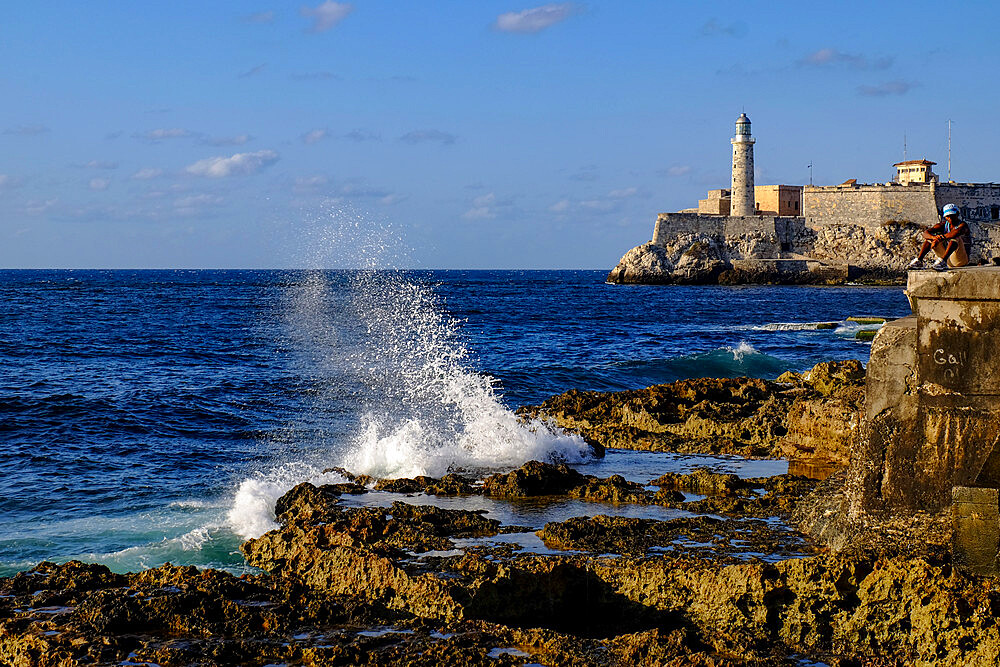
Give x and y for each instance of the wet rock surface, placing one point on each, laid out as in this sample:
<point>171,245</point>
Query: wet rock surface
<point>348,585</point>
<point>808,418</point>
<point>723,540</point>
<point>367,585</point>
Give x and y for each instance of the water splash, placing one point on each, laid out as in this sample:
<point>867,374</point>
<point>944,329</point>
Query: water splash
<point>383,342</point>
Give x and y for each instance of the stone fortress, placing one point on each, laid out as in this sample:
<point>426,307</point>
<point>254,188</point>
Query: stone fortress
<point>808,234</point>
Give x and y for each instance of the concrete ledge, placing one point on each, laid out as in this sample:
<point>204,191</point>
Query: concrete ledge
<point>981,283</point>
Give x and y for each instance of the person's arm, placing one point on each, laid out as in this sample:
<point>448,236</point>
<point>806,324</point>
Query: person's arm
<point>934,232</point>
<point>958,230</point>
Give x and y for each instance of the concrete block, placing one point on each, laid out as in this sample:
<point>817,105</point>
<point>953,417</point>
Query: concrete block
<point>976,523</point>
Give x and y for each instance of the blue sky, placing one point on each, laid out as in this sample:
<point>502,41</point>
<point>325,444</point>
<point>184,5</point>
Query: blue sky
<point>487,134</point>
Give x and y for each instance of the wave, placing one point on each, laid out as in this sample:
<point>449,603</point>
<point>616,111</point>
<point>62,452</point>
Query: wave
<point>797,326</point>
<point>390,349</point>
<point>743,360</point>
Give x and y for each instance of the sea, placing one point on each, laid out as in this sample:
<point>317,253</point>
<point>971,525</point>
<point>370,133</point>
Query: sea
<point>150,416</point>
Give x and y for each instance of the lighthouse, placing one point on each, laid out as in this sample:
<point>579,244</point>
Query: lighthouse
<point>743,202</point>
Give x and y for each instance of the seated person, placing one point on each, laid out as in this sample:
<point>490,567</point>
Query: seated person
<point>951,240</point>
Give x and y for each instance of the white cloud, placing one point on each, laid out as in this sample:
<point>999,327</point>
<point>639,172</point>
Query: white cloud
<point>623,193</point>
<point>487,207</point>
<point>535,19</point>
<point>147,173</point>
<point>239,164</point>
<point>314,136</point>
<point>560,206</point>
<point>99,184</point>
<point>162,133</point>
<point>679,170</point>
<point>424,136</point>
<point>326,15</point>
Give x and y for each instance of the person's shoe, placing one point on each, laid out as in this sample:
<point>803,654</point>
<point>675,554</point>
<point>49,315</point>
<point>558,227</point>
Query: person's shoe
<point>915,264</point>
<point>940,265</point>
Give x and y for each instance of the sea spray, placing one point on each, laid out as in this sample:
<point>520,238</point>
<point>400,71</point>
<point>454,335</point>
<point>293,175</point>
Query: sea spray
<point>386,346</point>
<point>428,410</point>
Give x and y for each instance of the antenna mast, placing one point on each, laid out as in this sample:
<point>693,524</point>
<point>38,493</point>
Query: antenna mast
<point>949,150</point>
<point>904,145</point>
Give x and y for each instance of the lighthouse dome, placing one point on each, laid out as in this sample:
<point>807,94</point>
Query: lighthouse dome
<point>743,125</point>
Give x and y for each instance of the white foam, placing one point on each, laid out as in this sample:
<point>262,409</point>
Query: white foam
<point>794,326</point>
<point>742,350</point>
<point>389,348</point>
<point>252,511</point>
<point>432,411</point>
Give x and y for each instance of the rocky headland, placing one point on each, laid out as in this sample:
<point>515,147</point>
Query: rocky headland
<point>826,255</point>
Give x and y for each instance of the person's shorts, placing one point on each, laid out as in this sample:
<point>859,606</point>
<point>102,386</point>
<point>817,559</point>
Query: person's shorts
<point>958,258</point>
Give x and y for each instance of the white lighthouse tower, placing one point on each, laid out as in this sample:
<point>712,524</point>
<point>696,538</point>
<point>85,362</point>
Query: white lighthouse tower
<point>743,202</point>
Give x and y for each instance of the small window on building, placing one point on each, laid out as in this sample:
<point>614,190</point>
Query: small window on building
<point>796,206</point>
<point>994,212</point>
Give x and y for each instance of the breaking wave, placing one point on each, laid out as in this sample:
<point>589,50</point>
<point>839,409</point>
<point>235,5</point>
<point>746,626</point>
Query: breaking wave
<point>420,407</point>
<point>728,361</point>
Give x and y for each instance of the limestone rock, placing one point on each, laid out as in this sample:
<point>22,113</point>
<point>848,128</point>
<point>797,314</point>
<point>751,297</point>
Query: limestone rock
<point>534,478</point>
<point>809,417</point>
<point>689,260</point>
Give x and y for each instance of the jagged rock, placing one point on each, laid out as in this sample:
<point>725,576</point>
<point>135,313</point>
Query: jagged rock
<point>645,264</point>
<point>726,540</point>
<point>614,489</point>
<point>451,484</point>
<point>534,478</point>
<point>812,421</point>
<point>307,502</point>
<point>701,481</point>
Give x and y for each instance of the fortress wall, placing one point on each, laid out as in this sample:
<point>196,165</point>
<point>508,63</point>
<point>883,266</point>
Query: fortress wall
<point>978,202</point>
<point>871,205</point>
<point>669,226</point>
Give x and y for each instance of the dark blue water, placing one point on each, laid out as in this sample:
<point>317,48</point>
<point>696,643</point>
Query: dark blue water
<point>133,404</point>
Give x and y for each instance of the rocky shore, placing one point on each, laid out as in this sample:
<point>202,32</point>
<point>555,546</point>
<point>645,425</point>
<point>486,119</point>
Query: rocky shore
<point>808,418</point>
<point>696,568</point>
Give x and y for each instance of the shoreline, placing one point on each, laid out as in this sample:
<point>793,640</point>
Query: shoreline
<point>361,584</point>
